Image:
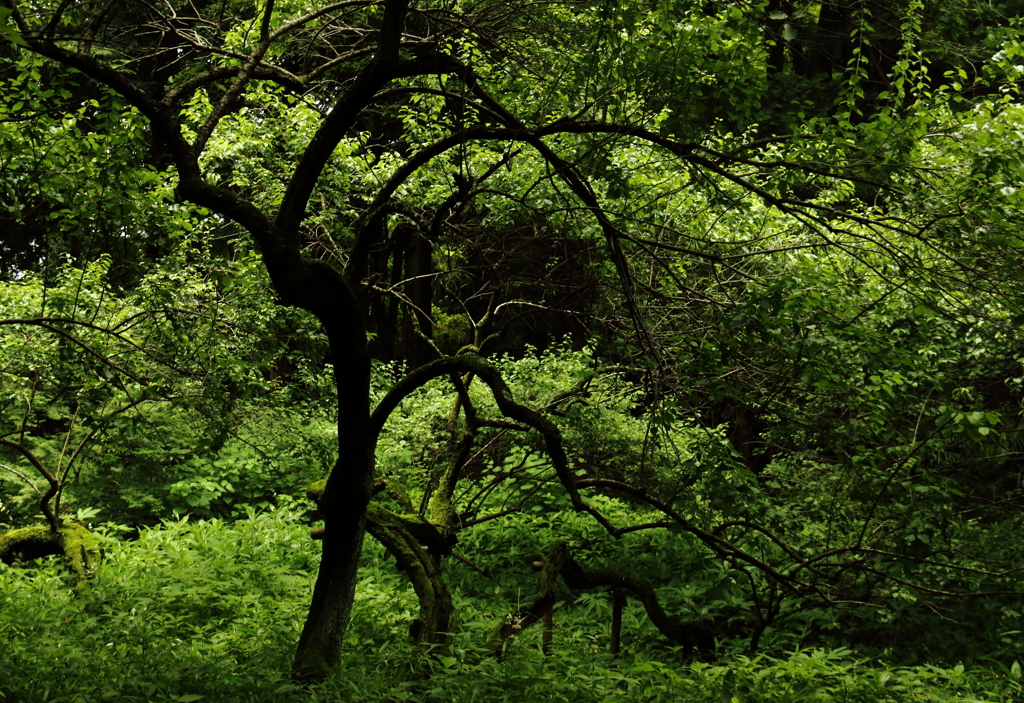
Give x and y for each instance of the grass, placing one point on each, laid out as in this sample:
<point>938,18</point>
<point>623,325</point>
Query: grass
<point>210,611</point>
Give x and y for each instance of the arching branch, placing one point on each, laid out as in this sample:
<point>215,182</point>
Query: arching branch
<point>54,487</point>
<point>560,562</point>
<point>470,363</point>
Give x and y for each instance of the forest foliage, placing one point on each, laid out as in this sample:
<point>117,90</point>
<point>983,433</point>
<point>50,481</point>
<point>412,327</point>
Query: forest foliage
<point>698,318</point>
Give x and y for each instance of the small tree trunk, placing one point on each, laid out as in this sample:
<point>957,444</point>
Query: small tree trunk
<point>618,602</point>
<point>548,627</point>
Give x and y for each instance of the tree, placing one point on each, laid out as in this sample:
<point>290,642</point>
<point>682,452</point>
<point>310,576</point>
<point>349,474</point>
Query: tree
<point>63,364</point>
<point>399,123</point>
<point>159,397</point>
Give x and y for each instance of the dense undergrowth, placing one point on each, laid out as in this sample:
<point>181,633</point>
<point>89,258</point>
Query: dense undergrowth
<point>210,610</point>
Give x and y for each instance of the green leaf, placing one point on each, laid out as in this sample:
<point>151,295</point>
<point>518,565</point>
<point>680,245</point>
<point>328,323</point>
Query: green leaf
<point>8,32</point>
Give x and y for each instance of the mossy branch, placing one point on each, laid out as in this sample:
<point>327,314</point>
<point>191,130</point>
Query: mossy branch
<point>424,532</point>
<point>81,548</point>
<point>434,624</point>
<point>416,544</point>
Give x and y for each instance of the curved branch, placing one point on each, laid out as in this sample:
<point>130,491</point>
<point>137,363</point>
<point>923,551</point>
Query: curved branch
<point>766,532</point>
<point>381,70</point>
<point>559,562</point>
<point>48,322</point>
<point>470,363</point>
<point>319,12</point>
<point>421,90</point>
<point>42,322</point>
<point>23,477</point>
<point>241,80</point>
<point>44,500</point>
<point>155,112</point>
<point>721,546</point>
<point>186,88</point>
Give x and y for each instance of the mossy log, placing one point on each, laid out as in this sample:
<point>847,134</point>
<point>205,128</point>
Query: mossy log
<point>29,543</point>
<point>81,548</point>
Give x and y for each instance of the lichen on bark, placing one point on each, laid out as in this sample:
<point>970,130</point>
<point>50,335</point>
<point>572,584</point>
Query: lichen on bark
<point>415,558</point>
<point>417,546</point>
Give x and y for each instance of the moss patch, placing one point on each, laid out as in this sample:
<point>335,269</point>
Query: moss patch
<point>29,543</point>
<point>315,490</point>
<point>80,547</point>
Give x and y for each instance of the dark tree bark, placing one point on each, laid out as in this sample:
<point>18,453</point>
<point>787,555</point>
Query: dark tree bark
<point>560,563</point>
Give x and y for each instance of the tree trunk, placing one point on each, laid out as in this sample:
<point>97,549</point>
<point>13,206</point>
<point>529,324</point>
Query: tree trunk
<point>343,505</point>
<point>320,643</point>
<point>421,563</point>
